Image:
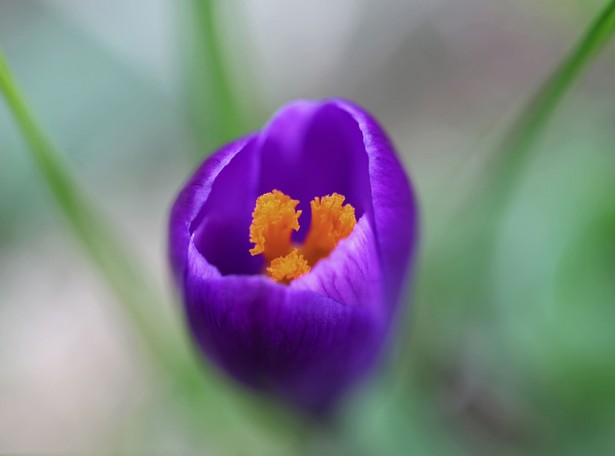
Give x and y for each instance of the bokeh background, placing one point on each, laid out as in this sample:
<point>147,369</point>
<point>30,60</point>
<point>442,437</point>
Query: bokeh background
<point>509,347</point>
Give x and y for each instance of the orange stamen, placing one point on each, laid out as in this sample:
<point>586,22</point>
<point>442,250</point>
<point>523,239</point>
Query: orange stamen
<point>289,267</point>
<point>273,220</point>
<point>332,221</point>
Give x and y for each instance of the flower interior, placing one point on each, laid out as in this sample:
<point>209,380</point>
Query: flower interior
<point>275,218</point>
<point>313,153</point>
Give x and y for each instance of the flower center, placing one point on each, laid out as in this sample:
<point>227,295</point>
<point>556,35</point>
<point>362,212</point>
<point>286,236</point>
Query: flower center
<point>273,221</point>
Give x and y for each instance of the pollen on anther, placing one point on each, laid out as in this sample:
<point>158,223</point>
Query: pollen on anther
<point>273,220</point>
<point>289,267</point>
<point>332,221</point>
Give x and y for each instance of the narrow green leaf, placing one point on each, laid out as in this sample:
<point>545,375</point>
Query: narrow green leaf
<point>213,106</point>
<point>137,292</point>
<point>457,270</point>
<point>531,123</point>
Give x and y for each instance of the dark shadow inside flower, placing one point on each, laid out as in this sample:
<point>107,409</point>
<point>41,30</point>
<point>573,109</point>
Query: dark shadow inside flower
<point>308,150</point>
<point>221,229</point>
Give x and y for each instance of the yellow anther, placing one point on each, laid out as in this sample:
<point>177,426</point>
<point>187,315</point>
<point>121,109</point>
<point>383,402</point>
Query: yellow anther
<point>289,267</point>
<point>273,221</point>
<point>332,221</point>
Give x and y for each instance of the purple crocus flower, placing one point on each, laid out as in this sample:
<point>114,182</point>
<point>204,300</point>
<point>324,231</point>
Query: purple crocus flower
<point>291,247</point>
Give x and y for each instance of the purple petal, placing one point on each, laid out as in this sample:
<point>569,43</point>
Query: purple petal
<point>221,232</point>
<point>190,202</point>
<point>394,204</point>
<point>299,345</point>
<point>351,273</point>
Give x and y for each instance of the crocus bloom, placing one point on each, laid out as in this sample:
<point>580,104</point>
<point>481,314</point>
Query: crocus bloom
<point>291,247</point>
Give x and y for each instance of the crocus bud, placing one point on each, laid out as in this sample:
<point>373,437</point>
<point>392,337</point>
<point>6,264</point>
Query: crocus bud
<point>291,247</point>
